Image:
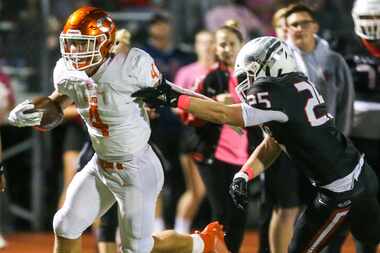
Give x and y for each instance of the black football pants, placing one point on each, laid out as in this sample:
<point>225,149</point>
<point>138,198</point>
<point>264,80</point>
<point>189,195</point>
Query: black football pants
<point>331,212</point>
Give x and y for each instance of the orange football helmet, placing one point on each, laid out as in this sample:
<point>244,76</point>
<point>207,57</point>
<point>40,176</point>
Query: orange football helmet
<point>87,37</point>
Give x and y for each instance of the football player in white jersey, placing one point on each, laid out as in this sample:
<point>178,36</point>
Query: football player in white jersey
<point>124,168</point>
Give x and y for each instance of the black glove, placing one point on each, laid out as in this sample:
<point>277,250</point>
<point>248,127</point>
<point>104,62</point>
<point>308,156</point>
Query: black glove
<point>160,95</point>
<point>239,190</point>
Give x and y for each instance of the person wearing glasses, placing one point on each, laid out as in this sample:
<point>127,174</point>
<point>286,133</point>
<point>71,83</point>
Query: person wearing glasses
<point>324,67</point>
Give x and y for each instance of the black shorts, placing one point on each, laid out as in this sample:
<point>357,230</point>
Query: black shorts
<point>281,184</point>
<point>330,212</point>
<point>75,136</point>
<point>189,140</point>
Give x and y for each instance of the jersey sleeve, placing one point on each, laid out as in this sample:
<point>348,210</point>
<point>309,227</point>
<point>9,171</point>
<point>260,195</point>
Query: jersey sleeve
<point>147,72</point>
<point>59,73</point>
<point>253,116</point>
<point>263,104</point>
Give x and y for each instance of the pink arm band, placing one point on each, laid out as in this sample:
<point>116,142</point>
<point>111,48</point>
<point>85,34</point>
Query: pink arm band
<point>249,171</point>
<point>183,102</point>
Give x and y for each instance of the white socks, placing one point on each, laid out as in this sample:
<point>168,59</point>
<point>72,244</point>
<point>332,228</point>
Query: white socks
<point>158,225</point>
<point>182,225</point>
<point>198,244</point>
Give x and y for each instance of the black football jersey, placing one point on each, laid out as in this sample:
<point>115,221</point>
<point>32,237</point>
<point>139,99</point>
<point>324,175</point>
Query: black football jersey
<point>365,71</point>
<point>309,135</point>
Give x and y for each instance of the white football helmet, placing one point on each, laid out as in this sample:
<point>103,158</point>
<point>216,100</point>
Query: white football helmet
<point>265,56</point>
<point>366,15</point>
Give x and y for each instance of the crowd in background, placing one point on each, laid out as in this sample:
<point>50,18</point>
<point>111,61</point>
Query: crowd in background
<point>177,34</point>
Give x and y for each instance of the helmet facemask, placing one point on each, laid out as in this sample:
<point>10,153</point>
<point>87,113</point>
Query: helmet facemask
<point>246,78</point>
<point>81,52</point>
<point>366,16</point>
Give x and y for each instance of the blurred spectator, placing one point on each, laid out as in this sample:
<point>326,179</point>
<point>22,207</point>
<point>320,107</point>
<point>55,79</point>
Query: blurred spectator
<point>263,10</point>
<point>169,59</point>
<point>251,26</point>
<point>187,77</point>
<point>279,23</point>
<point>3,243</point>
<point>160,46</point>
<point>7,102</point>
<point>189,74</point>
<point>7,97</point>
<point>63,8</point>
<point>324,67</point>
<point>222,149</point>
<point>281,200</point>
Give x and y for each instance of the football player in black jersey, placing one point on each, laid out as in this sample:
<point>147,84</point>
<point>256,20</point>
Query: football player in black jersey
<point>292,114</point>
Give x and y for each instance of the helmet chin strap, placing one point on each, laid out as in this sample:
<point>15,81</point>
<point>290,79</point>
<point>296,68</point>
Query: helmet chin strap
<point>374,50</point>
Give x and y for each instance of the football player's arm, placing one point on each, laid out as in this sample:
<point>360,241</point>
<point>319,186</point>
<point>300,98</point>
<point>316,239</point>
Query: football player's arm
<point>262,157</point>
<point>212,111</point>
<point>62,100</point>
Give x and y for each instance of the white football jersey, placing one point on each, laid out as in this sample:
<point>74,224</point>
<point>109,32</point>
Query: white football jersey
<point>118,126</point>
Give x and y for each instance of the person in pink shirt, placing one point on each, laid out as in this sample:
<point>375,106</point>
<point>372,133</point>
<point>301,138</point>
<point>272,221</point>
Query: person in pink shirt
<point>223,149</point>
<point>187,77</point>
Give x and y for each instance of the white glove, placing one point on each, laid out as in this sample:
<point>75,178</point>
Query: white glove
<point>18,117</point>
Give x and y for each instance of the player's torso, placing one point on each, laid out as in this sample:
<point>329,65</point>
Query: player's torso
<point>117,125</point>
<point>365,71</point>
<point>309,136</point>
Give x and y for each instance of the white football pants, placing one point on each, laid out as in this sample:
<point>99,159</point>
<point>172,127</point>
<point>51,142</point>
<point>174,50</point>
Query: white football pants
<point>93,191</point>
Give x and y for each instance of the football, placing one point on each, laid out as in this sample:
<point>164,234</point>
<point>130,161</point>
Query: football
<point>52,112</point>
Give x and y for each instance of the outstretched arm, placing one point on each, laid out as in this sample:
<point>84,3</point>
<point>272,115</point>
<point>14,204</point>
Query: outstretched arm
<point>212,111</point>
<point>263,156</point>
<point>168,94</point>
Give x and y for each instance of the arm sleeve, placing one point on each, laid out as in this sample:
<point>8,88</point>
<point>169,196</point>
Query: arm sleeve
<point>254,116</point>
<point>58,73</point>
<point>345,99</point>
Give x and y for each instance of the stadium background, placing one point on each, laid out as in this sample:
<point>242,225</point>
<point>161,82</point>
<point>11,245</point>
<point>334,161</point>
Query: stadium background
<point>29,30</point>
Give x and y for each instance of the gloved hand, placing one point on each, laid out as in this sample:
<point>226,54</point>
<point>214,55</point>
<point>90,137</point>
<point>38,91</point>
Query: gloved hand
<point>239,190</point>
<point>24,114</point>
<point>160,95</point>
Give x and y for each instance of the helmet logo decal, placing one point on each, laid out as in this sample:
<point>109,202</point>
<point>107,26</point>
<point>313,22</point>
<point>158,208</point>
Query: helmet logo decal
<point>103,24</point>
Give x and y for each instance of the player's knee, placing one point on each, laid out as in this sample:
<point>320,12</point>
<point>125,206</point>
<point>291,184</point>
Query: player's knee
<point>64,227</point>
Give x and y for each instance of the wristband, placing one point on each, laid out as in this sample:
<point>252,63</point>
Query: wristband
<point>248,171</point>
<point>184,102</point>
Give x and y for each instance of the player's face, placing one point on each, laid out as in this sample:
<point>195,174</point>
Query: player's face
<point>227,46</point>
<point>301,29</point>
